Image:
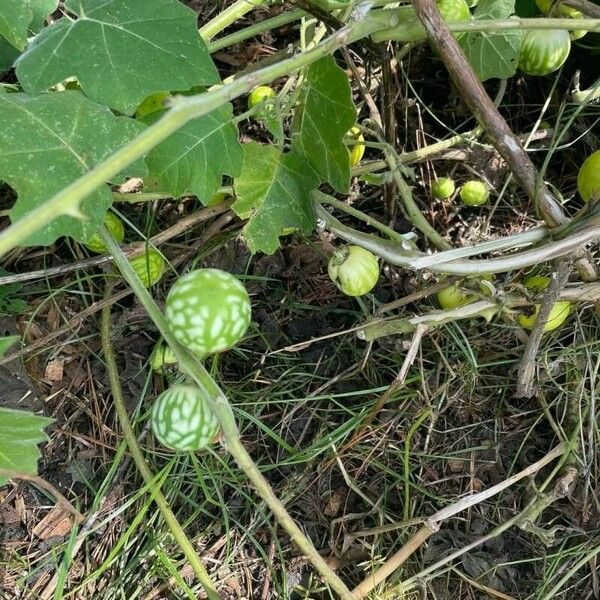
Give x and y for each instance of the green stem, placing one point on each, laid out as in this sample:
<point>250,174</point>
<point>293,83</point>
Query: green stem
<point>67,201</point>
<point>396,255</point>
<point>228,16</point>
<point>256,29</point>
<point>414,31</point>
<point>138,457</point>
<point>394,235</point>
<point>222,409</point>
<point>413,428</point>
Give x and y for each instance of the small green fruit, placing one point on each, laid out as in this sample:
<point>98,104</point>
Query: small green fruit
<point>588,179</point>
<point>149,267</point>
<point>443,188</point>
<point>474,193</point>
<point>208,310</point>
<point>152,103</point>
<point>182,419</point>
<point>354,270</point>
<point>559,313</point>
<point>452,297</point>
<point>116,229</point>
<point>357,151</point>
<point>260,94</point>
<point>162,356</point>
<point>454,10</point>
<point>544,51</point>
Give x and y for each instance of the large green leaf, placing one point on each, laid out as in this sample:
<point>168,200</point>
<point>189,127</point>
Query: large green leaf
<point>196,157</point>
<point>493,54</point>
<point>20,434</point>
<point>324,118</point>
<point>48,141</point>
<point>8,55</point>
<point>120,51</point>
<point>15,17</point>
<point>20,17</point>
<point>273,193</point>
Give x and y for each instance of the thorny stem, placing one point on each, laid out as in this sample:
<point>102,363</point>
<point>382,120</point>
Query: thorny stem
<point>222,409</point>
<point>136,452</point>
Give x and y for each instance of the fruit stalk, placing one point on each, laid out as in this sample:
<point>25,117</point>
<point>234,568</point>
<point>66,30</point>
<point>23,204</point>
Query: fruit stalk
<point>222,410</point>
<point>136,452</point>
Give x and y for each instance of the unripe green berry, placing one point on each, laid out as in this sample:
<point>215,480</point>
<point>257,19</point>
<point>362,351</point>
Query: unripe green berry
<point>354,270</point>
<point>116,229</point>
<point>474,193</point>
<point>162,356</point>
<point>588,179</point>
<point>260,94</point>
<point>182,419</point>
<point>208,310</point>
<point>443,188</point>
<point>149,267</point>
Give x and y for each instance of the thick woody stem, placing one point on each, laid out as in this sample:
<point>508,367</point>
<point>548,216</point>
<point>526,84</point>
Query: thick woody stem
<point>488,116</point>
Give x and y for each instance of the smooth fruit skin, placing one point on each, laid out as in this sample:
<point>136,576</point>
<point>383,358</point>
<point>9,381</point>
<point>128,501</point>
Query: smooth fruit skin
<point>149,267</point>
<point>559,313</point>
<point>260,94</point>
<point>588,179</point>
<point>182,419</point>
<point>354,270</point>
<point>453,297</point>
<point>152,103</point>
<point>543,51</point>
<point>208,310</point>
<point>357,151</point>
<point>443,188</point>
<point>162,356</point>
<point>454,10</point>
<point>474,193</point>
<point>117,230</point>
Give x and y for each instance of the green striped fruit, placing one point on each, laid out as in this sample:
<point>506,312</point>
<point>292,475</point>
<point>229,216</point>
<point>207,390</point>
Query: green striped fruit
<point>182,419</point>
<point>115,226</point>
<point>208,310</point>
<point>564,12</point>
<point>149,266</point>
<point>354,270</point>
<point>162,356</point>
<point>543,51</point>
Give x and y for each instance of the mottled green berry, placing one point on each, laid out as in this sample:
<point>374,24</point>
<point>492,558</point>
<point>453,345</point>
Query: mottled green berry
<point>149,267</point>
<point>208,310</point>
<point>182,419</point>
<point>116,229</point>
